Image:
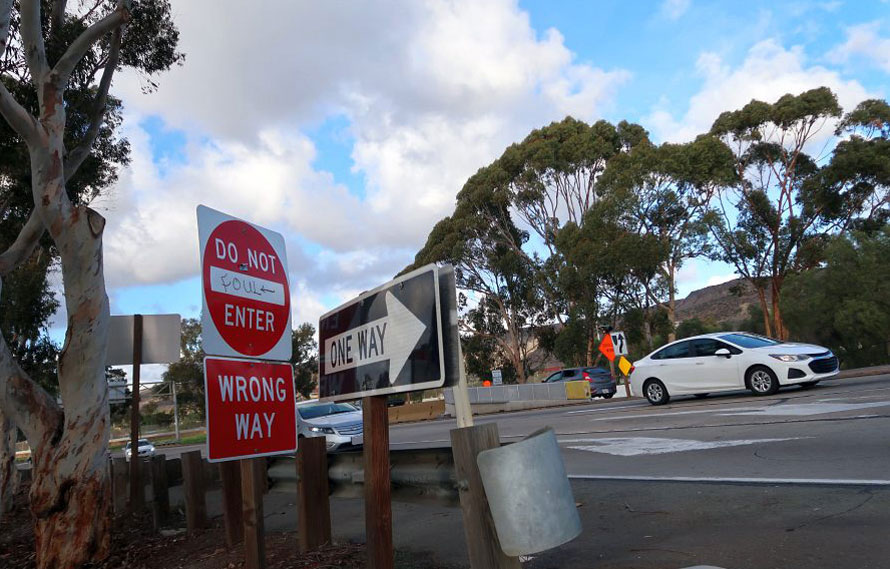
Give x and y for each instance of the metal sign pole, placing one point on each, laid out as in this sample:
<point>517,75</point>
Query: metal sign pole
<point>137,495</point>
<point>462,409</point>
<point>175,411</point>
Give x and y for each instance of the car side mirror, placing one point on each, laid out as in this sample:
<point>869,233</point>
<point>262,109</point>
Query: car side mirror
<point>723,352</point>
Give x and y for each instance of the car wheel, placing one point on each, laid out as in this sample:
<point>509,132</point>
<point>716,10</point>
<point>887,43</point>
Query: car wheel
<point>762,381</point>
<point>656,392</point>
<point>701,395</point>
<point>608,395</point>
<point>808,384</point>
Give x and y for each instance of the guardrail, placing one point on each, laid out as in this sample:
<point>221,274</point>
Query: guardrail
<point>510,393</point>
<point>418,476</point>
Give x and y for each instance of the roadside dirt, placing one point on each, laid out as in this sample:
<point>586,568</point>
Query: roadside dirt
<point>136,546</point>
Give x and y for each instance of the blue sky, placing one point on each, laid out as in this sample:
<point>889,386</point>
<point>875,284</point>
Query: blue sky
<point>349,127</point>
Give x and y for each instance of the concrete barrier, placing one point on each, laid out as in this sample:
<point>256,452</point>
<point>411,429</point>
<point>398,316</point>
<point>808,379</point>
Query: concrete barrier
<point>411,412</point>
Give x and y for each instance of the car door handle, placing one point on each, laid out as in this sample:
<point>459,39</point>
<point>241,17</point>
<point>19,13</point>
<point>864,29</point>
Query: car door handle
<point>699,363</point>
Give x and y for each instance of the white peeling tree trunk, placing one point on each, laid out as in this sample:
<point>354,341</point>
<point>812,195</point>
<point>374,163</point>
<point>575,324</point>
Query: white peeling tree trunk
<point>69,497</point>
<point>70,488</point>
<point>9,479</point>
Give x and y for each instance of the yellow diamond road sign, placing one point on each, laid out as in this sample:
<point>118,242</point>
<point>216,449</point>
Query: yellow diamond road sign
<point>624,365</point>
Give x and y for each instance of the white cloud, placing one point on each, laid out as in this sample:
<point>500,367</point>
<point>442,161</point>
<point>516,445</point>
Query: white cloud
<point>864,41</point>
<point>431,92</point>
<point>720,279</point>
<point>674,9</point>
<point>768,72</point>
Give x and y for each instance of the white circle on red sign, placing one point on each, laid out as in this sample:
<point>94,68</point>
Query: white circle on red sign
<point>245,287</point>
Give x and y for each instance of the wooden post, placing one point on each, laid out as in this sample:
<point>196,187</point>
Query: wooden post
<point>193,485</point>
<point>482,539</point>
<point>159,492</point>
<point>378,504</point>
<point>312,492</point>
<point>252,497</point>
<point>233,519</point>
<point>120,474</point>
<point>137,490</point>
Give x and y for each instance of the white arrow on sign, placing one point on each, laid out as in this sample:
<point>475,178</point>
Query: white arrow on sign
<point>392,338</point>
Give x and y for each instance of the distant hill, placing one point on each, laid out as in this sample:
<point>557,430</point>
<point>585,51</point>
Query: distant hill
<point>726,302</point>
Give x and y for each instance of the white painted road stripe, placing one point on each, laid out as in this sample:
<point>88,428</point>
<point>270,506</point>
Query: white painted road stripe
<point>604,409</point>
<point>637,446</point>
<point>801,481</point>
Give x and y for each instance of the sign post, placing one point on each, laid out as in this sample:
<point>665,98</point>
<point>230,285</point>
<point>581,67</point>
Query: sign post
<point>396,338</point>
<point>251,409</point>
<point>135,340</point>
<point>137,492</point>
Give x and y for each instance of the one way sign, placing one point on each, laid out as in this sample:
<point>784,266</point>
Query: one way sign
<point>388,340</point>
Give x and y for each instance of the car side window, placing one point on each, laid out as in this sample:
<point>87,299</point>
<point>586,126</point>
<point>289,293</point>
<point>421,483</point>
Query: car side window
<point>709,346</point>
<point>678,350</point>
<point>554,377</point>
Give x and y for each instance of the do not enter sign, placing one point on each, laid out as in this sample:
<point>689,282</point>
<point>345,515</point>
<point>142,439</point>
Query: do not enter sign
<point>245,289</point>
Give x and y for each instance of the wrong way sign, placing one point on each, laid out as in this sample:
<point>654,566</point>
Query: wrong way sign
<point>251,408</point>
<point>392,339</point>
<point>246,297</point>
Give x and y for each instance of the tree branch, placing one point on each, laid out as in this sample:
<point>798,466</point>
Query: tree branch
<point>5,19</point>
<point>23,246</point>
<point>32,37</point>
<point>58,16</point>
<point>76,157</point>
<point>23,400</point>
<point>85,41</point>
<point>18,118</point>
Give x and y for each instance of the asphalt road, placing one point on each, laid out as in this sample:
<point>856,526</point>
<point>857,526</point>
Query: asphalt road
<point>800,479</point>
<point>835,432</point>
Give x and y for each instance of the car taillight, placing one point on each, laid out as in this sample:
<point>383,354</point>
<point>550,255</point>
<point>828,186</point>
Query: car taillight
<point>586,376</point>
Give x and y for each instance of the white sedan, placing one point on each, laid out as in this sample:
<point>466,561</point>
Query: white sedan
<point>729,361</point>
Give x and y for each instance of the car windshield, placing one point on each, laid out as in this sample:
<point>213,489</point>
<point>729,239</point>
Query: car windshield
<point>144,442</point>
<point>749,340</point>
<point>322,409</point>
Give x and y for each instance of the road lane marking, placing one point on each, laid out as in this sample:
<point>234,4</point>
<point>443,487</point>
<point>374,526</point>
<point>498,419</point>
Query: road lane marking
<point>636,446</point>
<point>674,413</point>
<point>804,409</point>
<point>605,409</point>
<point>730,480</point>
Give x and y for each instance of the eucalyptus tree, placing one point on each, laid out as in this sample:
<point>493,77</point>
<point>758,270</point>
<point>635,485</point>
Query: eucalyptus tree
<point>53,48</point>
<point>493,270</point>
<point>776,217</point>
<point>664,191</point>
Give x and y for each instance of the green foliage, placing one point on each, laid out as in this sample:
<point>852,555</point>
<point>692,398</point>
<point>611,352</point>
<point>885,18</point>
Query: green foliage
<point>694,327</point>
<point>776,218</point>
<point>580,226</point>
<point>846,304</point>
<point>304,358</point>
<point>188,372</point>
<point>149,47</point>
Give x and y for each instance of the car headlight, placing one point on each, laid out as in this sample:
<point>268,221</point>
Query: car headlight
<point>788,358</point>
<point>325,430</point>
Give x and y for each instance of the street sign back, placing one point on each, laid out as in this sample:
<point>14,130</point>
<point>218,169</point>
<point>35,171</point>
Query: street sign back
<point>392,339</point>
<point>251,409</point>
<point>246,311</point>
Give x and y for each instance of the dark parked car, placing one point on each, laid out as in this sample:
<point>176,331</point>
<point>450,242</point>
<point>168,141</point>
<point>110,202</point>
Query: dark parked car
<point>601,382</point>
